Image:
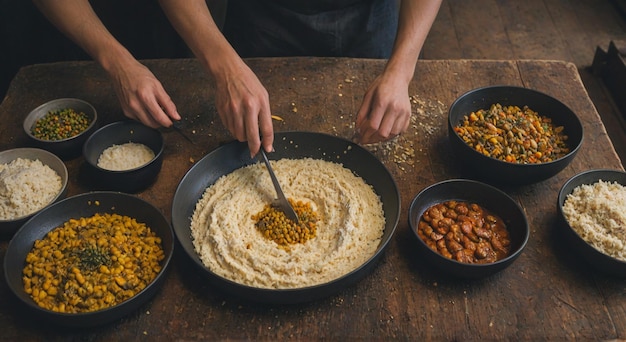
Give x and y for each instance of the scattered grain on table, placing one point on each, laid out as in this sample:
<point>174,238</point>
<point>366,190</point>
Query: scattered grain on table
<point>425,121</point>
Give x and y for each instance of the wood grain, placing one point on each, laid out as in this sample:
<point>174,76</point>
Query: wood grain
<point>546,294</point>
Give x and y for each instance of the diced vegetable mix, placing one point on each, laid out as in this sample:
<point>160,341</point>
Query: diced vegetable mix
<point>513,135</point>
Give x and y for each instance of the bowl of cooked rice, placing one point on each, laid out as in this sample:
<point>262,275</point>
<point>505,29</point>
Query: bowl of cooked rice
<point>592,213</point>
<point>96,238</point>
<point>61,126</point>
<point>30,180</point>
<point>124,156</point>
<point>512,135</point>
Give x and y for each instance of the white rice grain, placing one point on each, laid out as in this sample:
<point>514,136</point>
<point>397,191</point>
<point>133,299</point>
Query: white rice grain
<point>25,187</point>
<point>123,157</point>
<point>597,212</point>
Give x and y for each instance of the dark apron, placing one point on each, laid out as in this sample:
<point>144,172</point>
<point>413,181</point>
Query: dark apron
<point>348,28</point>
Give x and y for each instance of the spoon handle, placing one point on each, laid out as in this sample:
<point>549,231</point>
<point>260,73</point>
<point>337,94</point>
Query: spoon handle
<point>283,203</point>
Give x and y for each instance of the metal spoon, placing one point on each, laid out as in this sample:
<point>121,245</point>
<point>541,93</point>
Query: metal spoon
<point>177,127</point>
<point>282,203</point>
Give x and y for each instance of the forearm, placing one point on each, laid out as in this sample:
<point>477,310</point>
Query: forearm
<point>416,19</point>
<point>77,20</point>
<point>193,22</point>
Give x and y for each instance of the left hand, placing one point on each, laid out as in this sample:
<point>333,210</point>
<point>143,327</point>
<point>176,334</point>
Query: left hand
<point>385,112</point>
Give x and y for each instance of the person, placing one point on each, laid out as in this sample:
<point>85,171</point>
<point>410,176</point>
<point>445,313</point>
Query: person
<point>141,94</point>
<point>272,28</point>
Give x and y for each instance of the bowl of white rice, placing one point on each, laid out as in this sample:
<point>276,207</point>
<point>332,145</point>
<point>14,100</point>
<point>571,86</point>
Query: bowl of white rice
<point>30,180</point>
<point>592,209</point>
<point>124,156</point>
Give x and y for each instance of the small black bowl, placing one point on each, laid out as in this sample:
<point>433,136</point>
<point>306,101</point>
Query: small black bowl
<point>66,148</point>
<point>496,171</point>
<point>592,256</point>
<point>489,198</point>
<point>86,205</point>
<point>118,133</point>
<point>9,227</point>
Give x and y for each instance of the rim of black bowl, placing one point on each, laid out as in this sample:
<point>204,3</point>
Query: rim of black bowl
<point>496,263</point>
<point>589,177</point>
<point>40,107</point>
<point>577,122</point>
<point>133,123</point>
<point>64,179</point>
<point>102,316</point>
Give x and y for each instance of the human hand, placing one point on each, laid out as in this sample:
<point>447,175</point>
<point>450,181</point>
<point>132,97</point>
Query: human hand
<point>385,111</point>
<point>142,96</point>
<point>243,105</point>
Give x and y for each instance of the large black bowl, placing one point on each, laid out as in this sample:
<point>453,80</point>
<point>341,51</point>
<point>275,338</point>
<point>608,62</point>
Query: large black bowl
<point>489,198</point>
<point>496,171</point>
<point>235,155</point>
<point>86,205</point>
<point>118,133</point>
<point>592,256</point>
<point>66,148</point>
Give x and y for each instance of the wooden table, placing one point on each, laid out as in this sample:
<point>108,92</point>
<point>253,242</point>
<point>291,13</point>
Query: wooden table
<point>546,294</point>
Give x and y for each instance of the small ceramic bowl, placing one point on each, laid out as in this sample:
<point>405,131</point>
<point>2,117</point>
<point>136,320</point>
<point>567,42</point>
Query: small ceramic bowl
<point>489,198</point>
<point>8,227</point>
<point>496,171</point>
<point>582,248</point>
<point>86,205</point>
<point>65,148</point>
<point>119,133</point>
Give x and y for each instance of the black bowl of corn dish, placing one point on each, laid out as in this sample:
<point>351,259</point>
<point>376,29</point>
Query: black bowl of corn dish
<point>124,156</point>
<point>31,179</point>
<point>444,218</point>
<point>84,231</point>
<point>591,207</point>
<point>61,126</point>
<point>512,135</point>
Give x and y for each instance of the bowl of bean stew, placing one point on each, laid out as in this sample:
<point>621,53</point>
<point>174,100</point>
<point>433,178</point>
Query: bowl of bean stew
<point>467,229</point>
<point>89,260</point>
<point>61,126</point>
<point>512,135</point>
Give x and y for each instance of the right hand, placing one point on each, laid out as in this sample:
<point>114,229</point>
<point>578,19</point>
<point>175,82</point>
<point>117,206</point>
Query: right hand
<point>243,105</point>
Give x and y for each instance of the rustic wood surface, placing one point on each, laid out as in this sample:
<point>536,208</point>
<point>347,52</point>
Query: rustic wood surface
<point>546,294</point>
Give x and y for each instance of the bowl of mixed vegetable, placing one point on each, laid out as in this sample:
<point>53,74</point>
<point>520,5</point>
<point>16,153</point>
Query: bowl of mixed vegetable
<point>61,126</point>
<point>512,135</point>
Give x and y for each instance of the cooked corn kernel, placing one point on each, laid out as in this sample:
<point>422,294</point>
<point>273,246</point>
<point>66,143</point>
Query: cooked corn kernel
<point>274,225</point>
<point>77,268</point>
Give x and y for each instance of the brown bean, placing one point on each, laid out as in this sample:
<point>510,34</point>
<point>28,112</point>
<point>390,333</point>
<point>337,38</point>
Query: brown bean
<point>465,255</point>
<point>452,214</point>
<point>464,232</point>
<point>469,244</point>
<point>482,232</point>
<point>442,249</point>
<point>461,209</point>
<point>453,246</point>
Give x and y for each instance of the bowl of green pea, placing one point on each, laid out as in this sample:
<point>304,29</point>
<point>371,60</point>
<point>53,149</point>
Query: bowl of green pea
<point>61,126</point>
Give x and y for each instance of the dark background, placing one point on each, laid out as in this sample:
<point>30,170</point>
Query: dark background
<point>26,36</point>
